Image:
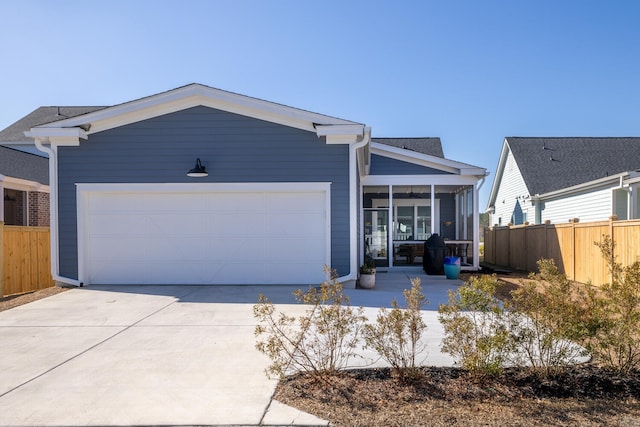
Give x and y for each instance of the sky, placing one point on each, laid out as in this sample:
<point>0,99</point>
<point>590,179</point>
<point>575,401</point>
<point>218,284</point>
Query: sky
<point>470,72</point>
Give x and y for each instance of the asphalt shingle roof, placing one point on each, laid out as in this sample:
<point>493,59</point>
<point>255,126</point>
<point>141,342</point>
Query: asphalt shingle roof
<point>41,116</point>
<point>550,164</point>
<point>18,164</point>
<point>429,146</point>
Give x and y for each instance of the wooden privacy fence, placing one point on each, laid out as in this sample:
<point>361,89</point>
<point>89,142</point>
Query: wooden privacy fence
<point>25,256</point>
<point>570,245</point>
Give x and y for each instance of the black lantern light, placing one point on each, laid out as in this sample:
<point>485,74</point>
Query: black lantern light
<point>199,171</point>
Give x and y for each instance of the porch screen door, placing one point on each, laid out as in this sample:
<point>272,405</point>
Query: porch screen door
<point>376,237</point>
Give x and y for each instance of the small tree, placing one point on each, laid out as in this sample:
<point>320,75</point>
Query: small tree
<point>476,327</point>
<point>397,334</point>
<point>320,342</point>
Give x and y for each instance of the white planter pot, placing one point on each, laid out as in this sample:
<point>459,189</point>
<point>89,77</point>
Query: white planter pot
<point>367,281</point>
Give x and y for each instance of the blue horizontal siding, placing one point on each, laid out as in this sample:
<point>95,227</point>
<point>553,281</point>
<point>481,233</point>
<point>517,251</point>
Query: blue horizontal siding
<point>381,165</point>
<point>232,147</point>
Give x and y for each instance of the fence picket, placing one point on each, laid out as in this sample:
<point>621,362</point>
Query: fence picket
<point>25,258</point>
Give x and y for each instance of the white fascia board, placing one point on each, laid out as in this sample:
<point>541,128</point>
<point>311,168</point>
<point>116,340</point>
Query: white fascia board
<point>23,184</point>
<point>341,134</point>
<point>198,95</point>
<point>426,160</point>
<point>632,180</point>
<point>57,135</point>
<point>504,153</point>
<point>609,181</point>
<point>419,180</point>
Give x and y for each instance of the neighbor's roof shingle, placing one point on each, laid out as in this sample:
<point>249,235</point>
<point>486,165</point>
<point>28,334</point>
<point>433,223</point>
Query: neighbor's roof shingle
<point>18,164</point>
<point>550,164</point>
<point>41,116</point>
<point>429,146</point>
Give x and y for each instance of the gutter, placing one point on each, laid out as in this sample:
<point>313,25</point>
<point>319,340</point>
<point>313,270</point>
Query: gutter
<point>53,208</point>
<point>353,205</point>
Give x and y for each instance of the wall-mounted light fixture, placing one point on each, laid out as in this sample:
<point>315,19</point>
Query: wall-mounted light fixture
<point>199,171</point>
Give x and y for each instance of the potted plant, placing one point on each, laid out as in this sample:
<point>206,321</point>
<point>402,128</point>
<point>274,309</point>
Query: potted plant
<point>368,274</point>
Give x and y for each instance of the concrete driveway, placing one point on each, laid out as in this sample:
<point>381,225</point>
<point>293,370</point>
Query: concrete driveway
<point>160,355</point>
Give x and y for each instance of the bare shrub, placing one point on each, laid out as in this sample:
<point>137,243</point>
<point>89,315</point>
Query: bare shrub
<point>546,317</point>
<point>476,327</point>
<point>320,342</point>
<point>616,342</point>
<point>397,333</point>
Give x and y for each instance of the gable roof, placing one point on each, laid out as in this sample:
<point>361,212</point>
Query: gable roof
<point>551,164</point>
<point>426,160</point>
<point>69,130</point>
<point>14,133</point>
<point>18,164</point>
<point>429,146</point>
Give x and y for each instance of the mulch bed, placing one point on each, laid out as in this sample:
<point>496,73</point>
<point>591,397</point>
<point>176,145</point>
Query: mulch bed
<point>583,395</point>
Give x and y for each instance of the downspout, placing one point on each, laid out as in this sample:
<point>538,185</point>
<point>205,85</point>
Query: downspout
<point>476,222</point>
<point>484,177</point>
<point>53,214</point>
<point>353,204</point>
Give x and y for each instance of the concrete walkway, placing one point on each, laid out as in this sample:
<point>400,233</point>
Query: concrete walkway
<point>161,355</point>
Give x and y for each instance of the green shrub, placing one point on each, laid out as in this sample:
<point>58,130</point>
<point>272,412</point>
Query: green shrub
<point>320,342</point>
<point>476,327</point>
<point>397,333</point>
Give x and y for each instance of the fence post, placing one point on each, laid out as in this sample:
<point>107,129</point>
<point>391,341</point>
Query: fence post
<point>612,218</point>
<point>573,221</point>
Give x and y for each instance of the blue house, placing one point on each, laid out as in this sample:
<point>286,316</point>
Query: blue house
<point>202,186</point>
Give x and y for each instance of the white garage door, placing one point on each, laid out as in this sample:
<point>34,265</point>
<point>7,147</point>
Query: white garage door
<point>203,234</point>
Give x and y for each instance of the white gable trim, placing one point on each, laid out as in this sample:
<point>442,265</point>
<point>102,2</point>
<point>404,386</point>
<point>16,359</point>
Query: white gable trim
<point>199,95</point>
<point>426,160</point>
<point>613,181</point>
<point>497,179</point>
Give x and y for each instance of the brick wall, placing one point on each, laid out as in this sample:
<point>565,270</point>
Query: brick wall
<point>38,209</point>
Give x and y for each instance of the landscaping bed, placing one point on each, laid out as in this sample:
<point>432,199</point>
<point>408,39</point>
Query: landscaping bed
<point>581,396</point>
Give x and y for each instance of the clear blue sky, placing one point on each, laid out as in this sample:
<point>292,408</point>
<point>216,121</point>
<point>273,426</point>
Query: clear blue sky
<point>470,72</point>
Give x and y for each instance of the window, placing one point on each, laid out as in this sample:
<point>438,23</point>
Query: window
<point>14,207</point>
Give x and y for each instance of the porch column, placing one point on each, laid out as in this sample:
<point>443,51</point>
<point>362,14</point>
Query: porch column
<point>476,227</point>
<point>433,209</point>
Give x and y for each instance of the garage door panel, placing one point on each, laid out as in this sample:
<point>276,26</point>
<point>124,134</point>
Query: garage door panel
<point>118,223</point>
<point>173,273</point>
<point>241,202</point>
<point>205,237</point>
<point>118,272</point>
<point>173,249</point>
<point>309,202</point>
<point>286,224</point>
<point>236,224</point>
<point>299,250</point>
<point>175,223</point>
<point>121,248</point>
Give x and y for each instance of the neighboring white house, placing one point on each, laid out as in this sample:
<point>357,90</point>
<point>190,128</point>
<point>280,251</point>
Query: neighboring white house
<point>558,179</point>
